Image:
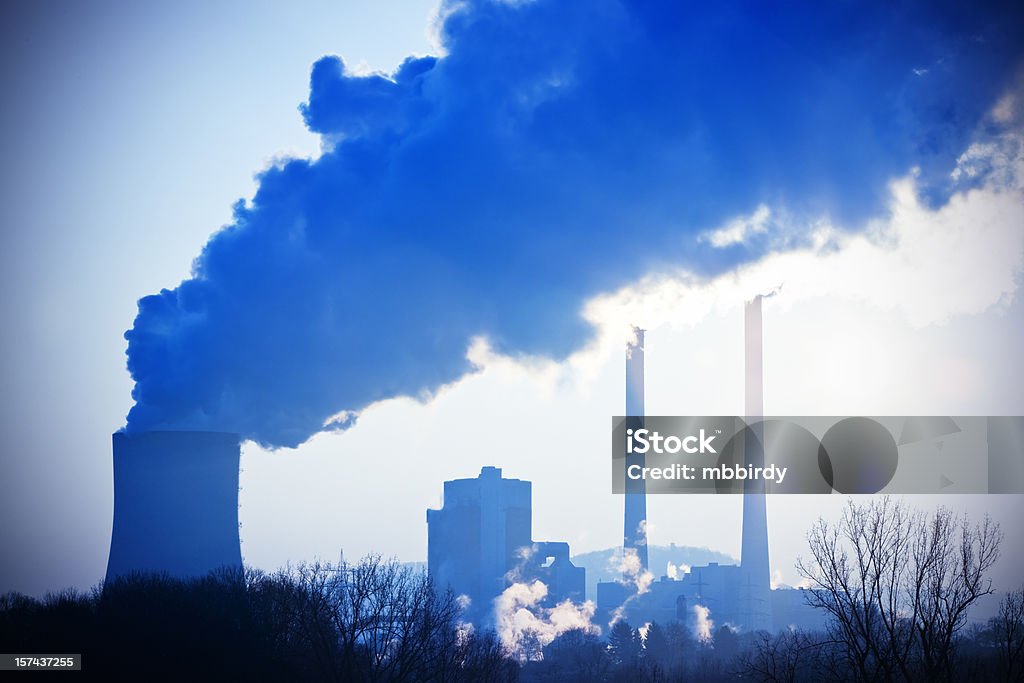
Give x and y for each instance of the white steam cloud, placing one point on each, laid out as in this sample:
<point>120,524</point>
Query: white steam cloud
<point>971,249</point>
<point>628,564</point>
<point>739,229</point>
<point>703,625</point>
<point>521,619</point>
<point>676,571</point>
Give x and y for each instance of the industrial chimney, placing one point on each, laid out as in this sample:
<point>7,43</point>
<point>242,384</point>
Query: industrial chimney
<point>756,588</point>
<point>635,522</point>
<point>175,503</point>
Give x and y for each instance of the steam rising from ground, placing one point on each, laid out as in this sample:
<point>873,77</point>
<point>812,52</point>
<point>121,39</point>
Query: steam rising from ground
<point>520,618</point>
<point>703,624</point>
<point>629,566</point>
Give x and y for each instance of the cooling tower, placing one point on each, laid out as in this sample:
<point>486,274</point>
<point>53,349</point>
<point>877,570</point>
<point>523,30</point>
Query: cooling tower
<point>175,503</point>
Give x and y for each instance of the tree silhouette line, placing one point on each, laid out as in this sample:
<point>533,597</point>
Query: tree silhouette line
<point>375,620</point>
<point>897,585</point>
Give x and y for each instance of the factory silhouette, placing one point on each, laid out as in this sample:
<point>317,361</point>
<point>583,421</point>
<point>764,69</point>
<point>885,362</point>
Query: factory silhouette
<point>176,511</point>
<point>480,542</point>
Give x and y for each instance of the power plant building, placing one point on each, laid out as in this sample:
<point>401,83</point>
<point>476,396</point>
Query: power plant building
<point>741,594</point>
<point>479,543</point>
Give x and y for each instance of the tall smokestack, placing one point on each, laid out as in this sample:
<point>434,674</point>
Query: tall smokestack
<point>756,591</point>
<point>175,503</point>
<point>635,523</point>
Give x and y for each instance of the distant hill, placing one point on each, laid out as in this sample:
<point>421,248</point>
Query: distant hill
<point>601,564</point>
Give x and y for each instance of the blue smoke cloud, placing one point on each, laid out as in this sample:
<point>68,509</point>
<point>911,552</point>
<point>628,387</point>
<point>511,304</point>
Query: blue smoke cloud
<point>559,149</point>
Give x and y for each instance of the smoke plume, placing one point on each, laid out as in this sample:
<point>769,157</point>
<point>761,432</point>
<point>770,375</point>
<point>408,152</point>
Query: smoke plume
<point>703,624</point>
<point>676,571</point>
<point>556,151</point>
<point>628,564</point>
<point>633,574</point>
<point>519,616</point>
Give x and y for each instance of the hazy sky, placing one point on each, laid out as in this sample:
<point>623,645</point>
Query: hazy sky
<point>129,131</point>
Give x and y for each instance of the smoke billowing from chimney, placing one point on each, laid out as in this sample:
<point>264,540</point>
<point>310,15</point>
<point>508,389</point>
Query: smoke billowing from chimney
<point>556,151</point>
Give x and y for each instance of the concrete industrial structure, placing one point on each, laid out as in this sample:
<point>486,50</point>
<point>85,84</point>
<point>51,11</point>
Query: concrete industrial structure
<point>480,542</point>
<point>634,532</point>
<point>175,503</point>
<point>755,578</point>
<point>741,594</point>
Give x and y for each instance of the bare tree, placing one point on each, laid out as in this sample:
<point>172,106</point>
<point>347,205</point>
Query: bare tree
<point>577,654</point>
<point>315,615</point>
<point>897,585</point>
<point>951,560</point>
<point>786,657</point>
<point>1008,630</point>
<point>381,621</point>
<point>481,658</point>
